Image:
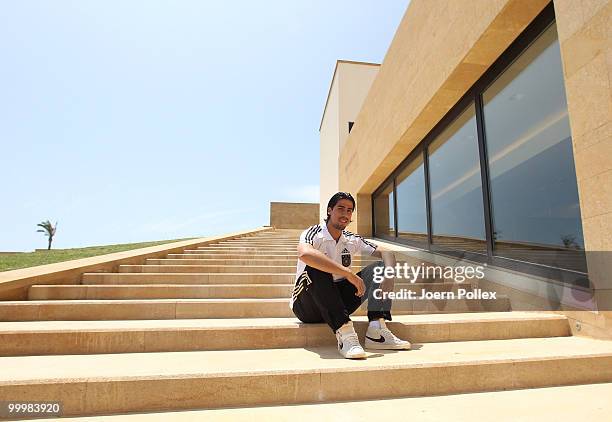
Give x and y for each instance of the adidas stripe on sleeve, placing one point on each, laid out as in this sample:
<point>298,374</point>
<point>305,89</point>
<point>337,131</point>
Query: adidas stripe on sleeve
<point>366,246</point>
<point>309,234</point>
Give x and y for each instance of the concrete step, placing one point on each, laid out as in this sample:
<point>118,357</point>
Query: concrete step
<point>259,239</point>
<point>295,238</point>
<point>241,253</point>
<point>535,404</point>
<point>222,268</point>
<point>241,250</point>
<point>130,382</point>
<point>248,248</point>
<point>190,291</point>
<point>293,235</point>
<point>278,232</point>
<point>160,291</point>
<point>252,245</point>
<point>93,310</point>
<point>265,239</point>
<point>287,233</point>
<point>258,245</point>
<point>232,261</point>
<point>191,254</point>
<point>273,242</point>
<point>195,278</point>
<point>73,310</point>
<point>88,337</point>
<point>270,239</point>
<point>289,248</point>
<point>187,278</point>
<point>207,268</point>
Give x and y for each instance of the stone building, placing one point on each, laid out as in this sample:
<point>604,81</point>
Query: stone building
<point>486,135</point>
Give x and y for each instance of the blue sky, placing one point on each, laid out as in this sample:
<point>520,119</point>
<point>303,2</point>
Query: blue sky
<point>134,120</point>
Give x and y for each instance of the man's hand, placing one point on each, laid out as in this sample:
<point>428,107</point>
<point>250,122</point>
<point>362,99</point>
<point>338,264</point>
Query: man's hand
<point>317,259</point>
<point>356,281</point>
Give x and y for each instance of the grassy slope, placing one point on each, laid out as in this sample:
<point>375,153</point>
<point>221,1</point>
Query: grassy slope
<point>32,259</point>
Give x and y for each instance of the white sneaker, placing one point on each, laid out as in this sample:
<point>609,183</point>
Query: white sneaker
<point>382,338</point>
<point>348,342</point>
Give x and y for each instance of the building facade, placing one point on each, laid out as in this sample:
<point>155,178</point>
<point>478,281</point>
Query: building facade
<point>351,82</point>
<point>487,135</point>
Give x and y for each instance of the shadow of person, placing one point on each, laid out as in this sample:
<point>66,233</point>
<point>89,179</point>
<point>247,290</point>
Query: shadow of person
<point>327,352</point>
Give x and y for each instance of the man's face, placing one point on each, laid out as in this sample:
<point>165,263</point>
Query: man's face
<point>341,214</point>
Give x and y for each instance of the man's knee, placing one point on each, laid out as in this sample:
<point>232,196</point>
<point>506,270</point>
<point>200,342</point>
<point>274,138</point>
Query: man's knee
<point>314,275</point>
<point>309,319</point>
<point>373,272</point>
<point>306,312</point>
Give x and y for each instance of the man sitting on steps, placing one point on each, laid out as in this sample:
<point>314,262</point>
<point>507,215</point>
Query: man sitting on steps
<point>326,289</point>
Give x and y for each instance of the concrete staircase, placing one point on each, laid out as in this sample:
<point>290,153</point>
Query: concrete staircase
<point>211,328</point>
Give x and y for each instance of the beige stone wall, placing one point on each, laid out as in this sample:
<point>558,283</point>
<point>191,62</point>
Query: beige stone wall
<point>355,80</point>
<point>293,215</point>
<point>440,49</point>
<point>350,84</point>
<point>329,150</point>
<point>585,35</point>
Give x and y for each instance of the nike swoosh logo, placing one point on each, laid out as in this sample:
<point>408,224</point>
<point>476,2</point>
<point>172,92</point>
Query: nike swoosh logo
<point>377,340</point>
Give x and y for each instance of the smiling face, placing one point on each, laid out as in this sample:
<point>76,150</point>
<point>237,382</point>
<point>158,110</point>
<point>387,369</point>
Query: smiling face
<point>341,214</point>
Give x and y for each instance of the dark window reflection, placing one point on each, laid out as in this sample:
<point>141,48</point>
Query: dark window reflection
<point>456,188</point>
<point>384,223</point>
<point>411,206</point>
<point>534,195</point>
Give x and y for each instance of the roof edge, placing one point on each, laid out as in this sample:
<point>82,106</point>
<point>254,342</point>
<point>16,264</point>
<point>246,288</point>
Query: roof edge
<point>331,84</point>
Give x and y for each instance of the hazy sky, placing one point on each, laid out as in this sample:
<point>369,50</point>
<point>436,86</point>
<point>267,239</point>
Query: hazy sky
<point>143,120</point>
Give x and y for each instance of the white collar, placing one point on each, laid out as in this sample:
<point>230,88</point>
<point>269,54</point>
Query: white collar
<point>327,235</point>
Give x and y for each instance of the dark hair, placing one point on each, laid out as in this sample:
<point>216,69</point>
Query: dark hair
<point>337,197</point>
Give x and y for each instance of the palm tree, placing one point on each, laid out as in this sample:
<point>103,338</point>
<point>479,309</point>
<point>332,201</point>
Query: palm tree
<point>48,229</point>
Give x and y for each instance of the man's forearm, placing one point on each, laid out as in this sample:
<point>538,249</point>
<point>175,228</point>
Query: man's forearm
<point>318,260</point>
<point>388,257</point>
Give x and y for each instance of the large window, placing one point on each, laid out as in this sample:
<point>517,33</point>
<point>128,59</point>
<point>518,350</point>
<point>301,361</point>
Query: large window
<point>534,196</point>
<point>411,205</point>
<point>456,187</point>
<point>384,225</point>
<point>495,179</point>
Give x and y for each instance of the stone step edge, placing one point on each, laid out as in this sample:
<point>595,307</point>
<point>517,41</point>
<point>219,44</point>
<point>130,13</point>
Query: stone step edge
<point>308,384</point>
<point>147,336</point>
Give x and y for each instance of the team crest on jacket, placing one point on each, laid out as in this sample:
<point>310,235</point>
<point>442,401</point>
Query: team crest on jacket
<point>346,258</point>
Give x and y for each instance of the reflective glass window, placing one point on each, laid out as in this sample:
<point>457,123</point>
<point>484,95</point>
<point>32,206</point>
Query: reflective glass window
<point>456,187</point>
<point>534,194</point>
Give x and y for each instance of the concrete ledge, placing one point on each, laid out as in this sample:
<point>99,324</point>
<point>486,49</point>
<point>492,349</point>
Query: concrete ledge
<point>146,336</point>
<point>14,284</point>
<point>131,382</point>
<point>293,215</point>
<point>529,292</point>
<point>124,309</point>
<point>537,404</point>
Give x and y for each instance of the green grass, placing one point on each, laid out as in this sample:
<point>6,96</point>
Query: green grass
<point>32,259</point>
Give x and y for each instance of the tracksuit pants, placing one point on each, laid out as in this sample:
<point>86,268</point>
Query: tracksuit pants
<point>326,300</point>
